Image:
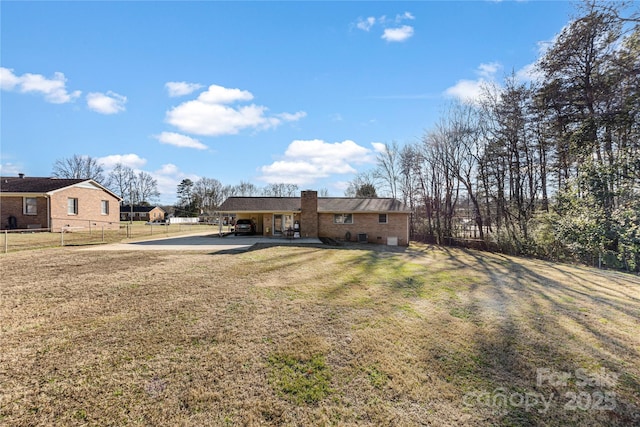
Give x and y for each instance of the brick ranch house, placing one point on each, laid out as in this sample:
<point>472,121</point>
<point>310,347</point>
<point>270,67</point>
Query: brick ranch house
<point>53,203</point>
<point>375,220</point>
<point>142,213</point>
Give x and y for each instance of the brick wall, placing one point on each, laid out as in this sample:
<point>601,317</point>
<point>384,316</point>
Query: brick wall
<point>396,226</point>
<point>309,214</point>
<point>13,206</point>
<point>89,209</point>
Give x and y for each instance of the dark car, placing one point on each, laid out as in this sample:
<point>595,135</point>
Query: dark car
<point>244,226</point>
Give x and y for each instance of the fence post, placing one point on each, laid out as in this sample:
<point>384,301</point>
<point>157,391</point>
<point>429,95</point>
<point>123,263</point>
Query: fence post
<point>151,229</point>
<point>102,233</point>
<point>6,244</point>
<point>62,236</point>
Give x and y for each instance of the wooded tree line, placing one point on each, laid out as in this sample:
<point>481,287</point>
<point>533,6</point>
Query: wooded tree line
<point>550,168</point>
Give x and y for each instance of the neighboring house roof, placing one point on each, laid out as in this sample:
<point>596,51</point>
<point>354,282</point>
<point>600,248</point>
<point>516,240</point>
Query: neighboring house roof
<point>325,204</point>
<point>139,208</point>
<point>43,185</point>
<point>35,185</point>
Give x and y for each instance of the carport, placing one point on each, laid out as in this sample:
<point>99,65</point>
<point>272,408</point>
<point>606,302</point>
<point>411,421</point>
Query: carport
<point>273,216</point>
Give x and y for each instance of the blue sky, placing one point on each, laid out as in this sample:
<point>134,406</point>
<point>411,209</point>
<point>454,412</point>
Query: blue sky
<point>266,92</point>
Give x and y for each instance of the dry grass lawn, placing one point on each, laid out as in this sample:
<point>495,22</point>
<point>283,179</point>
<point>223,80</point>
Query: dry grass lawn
<point>315,336</point>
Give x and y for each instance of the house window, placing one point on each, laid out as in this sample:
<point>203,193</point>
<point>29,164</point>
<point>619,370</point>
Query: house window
<point>72,206</point>
<point>104,207</point>
<point>30,206</point>
<point>343,218</point>
<point>382,218</point>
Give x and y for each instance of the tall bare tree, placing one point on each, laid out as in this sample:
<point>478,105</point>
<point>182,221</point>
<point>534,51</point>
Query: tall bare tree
<point>78,167</point>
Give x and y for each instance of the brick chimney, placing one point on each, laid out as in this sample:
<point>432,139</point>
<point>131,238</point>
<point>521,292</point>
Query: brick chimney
<point>309,213</point>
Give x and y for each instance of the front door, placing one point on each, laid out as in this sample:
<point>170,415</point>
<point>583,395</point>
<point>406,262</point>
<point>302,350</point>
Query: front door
<point>281,223</point>
<point>278,224</point>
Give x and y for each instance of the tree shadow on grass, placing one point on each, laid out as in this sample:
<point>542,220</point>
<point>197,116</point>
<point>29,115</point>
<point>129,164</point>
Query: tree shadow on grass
<point>556,324</point>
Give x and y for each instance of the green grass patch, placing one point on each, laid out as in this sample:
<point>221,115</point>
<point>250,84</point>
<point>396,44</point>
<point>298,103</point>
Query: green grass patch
<point>303,381</point>
<point>377,377</point>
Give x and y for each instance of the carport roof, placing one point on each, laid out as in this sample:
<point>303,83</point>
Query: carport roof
<point>325,204</point>
<point>261,204</point>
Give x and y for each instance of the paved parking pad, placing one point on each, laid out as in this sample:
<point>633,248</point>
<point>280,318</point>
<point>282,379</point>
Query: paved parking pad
<point>211,242</point>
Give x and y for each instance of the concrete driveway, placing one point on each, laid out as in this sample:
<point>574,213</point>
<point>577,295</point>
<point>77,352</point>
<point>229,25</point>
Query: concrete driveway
<point>207,242</point>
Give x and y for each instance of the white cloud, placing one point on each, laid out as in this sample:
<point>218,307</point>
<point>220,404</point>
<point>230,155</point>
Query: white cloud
<point>305,161</point>
<point>406,15</point>
<point>10,169</point>
<point>208,114</point>
<point>398,34</point>
<point>471,91</point>
<point>131,160</point>
<point>109,103</point>
<point>54,89</point>
<point>181,88</point>
<point>489,70</point>
<point>365,24</point>
<point>289,117</point>
<point>467,91</point>
<point>392,32</point>
<point>180,140</point>
<point>379,147</point>
<point>222,95</point>
<point>8,80</point>
<point>168,177</point>
<point>529,73</point>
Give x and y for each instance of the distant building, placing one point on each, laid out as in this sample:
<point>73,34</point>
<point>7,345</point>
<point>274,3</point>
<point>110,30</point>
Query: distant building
<point>56,203</point>
<point>142,213</point>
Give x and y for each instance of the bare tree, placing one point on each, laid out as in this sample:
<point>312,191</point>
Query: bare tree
<point>131,187</point>
<point>78,167</point>
<point>208,193</point>
<point>280,190</point>
<point>119,181</point>
<point>247,189</point>
<point>145,188</point>
<point>388,169</point>
<point>366,179</point>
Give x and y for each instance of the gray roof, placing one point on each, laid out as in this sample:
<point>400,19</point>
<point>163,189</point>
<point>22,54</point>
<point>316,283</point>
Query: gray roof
<point>350,204</point>
<point>261,204</point>
<point>325,204</point>
<point>42,185</point>
<point>35,184</point>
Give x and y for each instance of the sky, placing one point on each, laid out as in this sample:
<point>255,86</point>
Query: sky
<point>264,92</point>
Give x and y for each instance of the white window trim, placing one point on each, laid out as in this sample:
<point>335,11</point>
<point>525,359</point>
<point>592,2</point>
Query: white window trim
<point>76,207</point>
<point>386,218</point>
<point>104,203</point>
<point>24,206</point>
<point>343,216</point>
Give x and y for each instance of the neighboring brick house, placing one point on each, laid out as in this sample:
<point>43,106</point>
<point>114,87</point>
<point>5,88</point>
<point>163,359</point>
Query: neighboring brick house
<point>375,220</point>
<point>142,213</point>
<point>56,203</point>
